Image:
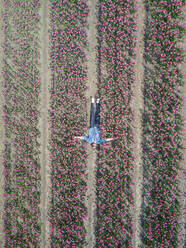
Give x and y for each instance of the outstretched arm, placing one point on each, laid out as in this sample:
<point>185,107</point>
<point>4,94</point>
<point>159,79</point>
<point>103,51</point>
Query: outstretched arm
<point>79,137</point>
<point>109,139</point>
<point>85,138</point>
<point>105,140</point>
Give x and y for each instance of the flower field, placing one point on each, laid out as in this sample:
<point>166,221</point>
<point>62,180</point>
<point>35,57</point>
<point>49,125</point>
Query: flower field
<point>21,86</point>
<point>68,118</point>
<point>25,173</point>
<point>116,30</point>
<point>162,124</point>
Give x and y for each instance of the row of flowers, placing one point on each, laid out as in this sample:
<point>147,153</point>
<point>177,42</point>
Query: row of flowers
<point>162,123</point>
<point>116,53</point>
<point>68,22</point>
<point>21,86</point>
<point>162,147</point>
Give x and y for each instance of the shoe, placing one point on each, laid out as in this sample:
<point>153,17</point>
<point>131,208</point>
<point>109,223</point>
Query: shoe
<point>97,101</point>
<point>92,99</point>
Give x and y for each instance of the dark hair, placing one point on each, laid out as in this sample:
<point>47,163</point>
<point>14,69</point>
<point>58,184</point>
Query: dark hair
<point>97,146</point>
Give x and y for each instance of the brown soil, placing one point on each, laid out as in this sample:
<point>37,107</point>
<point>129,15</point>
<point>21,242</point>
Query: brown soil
<point>92,84</point>
<point>43,123</point>
<point>137,106</point>
<point>182,174</point>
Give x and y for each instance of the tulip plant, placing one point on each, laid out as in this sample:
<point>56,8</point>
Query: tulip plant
<point>116,53</point>
<point>162,124</point>
<point>68,22</point>
<point>21,87</point>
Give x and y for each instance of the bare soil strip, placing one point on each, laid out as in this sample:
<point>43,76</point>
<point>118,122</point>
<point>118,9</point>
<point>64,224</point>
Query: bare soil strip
<point>137,107</point>
<point>91,198</point>
<point>182,174</point>
<point>182,178</point>
<point>2,131</point>
<point>43,123</point>
<point>92,79</point>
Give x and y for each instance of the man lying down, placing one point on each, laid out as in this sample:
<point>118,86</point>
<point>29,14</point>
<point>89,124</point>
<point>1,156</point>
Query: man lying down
<point>94,130</point>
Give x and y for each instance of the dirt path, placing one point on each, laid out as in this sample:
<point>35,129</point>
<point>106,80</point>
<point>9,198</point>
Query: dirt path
<point>92,84</point>
<point>182,174</point>
<point>91,198</point>
<point>137,107</point>
<point>43,123</point>
<point>2,132</point>
<point>182,177</point>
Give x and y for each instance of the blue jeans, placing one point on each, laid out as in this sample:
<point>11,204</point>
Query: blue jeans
<point>95,120</point>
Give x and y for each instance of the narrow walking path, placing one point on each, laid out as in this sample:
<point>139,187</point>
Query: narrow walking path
<point>137,107</point>
<point>182,181</point>
<point>182,173</point>
<point>2,131</point>
<point>43,123</point>
<point>91,198</point>
<point>92,79</point>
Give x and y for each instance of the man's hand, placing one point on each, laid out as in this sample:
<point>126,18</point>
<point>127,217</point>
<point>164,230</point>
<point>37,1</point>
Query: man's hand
<point>77,137</point>
<point>109,139</point>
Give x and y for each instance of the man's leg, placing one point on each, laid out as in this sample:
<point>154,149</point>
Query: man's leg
<point>97,115</point>
<point>92,113</point>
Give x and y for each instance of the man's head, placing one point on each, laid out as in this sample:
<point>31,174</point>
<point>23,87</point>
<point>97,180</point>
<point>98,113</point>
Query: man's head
<point>94,145</point>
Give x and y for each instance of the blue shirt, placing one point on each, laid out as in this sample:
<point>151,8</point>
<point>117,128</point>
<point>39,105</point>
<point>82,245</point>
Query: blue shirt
<point>94,136</point>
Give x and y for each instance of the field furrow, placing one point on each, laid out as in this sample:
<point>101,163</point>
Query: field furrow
<point>45,76</point>
<point>137,106</point>
<point>92,89</point>
<point>91,200</point>
<point>182,173</point>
